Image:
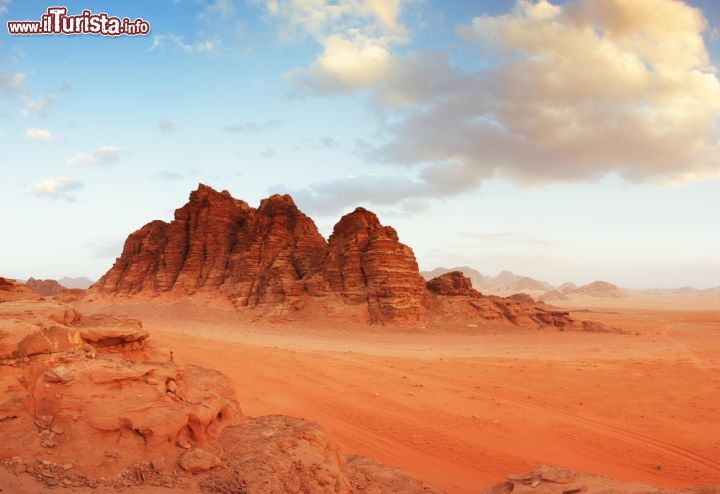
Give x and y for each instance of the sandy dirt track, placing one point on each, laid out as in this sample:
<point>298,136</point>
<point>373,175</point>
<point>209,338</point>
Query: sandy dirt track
<point>460,411</point>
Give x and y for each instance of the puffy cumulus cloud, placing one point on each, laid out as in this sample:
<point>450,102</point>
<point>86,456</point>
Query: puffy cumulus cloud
<point>102,156</point>
<point>57,188</point>
<point>564,92</point>
<point>38,134</point>
<point>576,91</point>
<point>356,36</point>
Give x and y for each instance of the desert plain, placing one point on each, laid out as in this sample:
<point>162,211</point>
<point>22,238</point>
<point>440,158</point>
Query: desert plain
<point>462,411</point>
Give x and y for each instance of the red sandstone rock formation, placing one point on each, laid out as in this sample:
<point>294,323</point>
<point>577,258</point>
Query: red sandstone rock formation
<point>452,302</point>
<point>88,387</point>
<point>367,264</point>
<point>271,255</point>
<point>218,243</point>
<point>273,259</point>
<point>453,284</point>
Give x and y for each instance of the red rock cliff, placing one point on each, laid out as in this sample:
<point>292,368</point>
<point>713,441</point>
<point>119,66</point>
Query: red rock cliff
<point>218,243</point>
<point>367,264</point>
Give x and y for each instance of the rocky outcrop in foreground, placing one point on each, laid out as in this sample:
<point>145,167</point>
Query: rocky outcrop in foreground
<point>92,402</point>
<point>271,261</point>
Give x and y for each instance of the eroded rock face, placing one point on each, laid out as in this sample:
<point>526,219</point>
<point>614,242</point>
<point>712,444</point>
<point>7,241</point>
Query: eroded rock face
<point>453,284</point>
<point>96,394</point>
<point>220,244</point>
<point>271,255</point>
<point>367,264</point>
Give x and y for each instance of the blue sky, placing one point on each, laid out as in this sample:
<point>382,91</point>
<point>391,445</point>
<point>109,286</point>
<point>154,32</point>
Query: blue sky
<point>565,141</point>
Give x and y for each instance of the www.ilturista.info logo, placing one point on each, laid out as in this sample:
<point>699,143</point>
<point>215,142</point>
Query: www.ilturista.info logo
<point>57,21</point>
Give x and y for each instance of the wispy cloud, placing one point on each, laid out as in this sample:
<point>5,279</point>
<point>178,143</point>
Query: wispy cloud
<point>38,134</point>
<point>253,126</point>
<point>217,8</point>
<point>167,125</point>
<point>38,107</point>
<point>57,188</point>
<point>102,156</point>
<point>160,42</point>
<point>329,142</point>
<point>13,83</point>
<point>338,195</point>
<point>4,6</point>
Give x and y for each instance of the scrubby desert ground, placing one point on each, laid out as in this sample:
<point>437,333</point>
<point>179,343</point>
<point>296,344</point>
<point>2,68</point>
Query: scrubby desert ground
<point>461,411</point>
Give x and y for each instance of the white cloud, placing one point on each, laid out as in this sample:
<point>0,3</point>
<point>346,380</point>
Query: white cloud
<point>577,91</point>
<point>57,188</point>
<point>38,134</point>
<point>356,36</point>
<point>4,6</point>
<point>565,92</point>
<point>102,156</point>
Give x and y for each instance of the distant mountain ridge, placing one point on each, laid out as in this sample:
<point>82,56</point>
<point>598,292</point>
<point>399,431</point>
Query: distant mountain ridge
<point>504,281</point>
<point>79,282</point>
<point>507,281</point>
